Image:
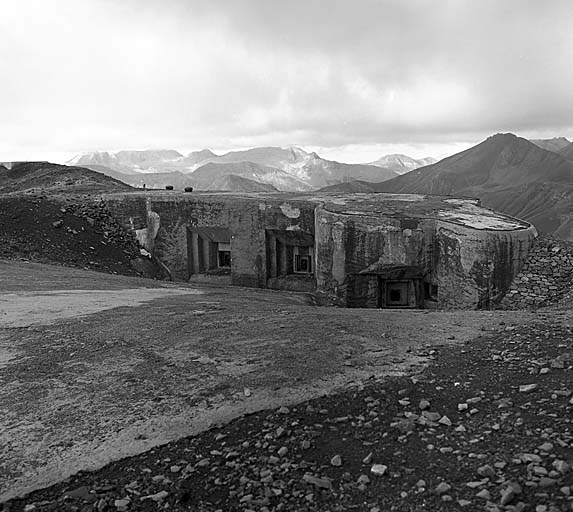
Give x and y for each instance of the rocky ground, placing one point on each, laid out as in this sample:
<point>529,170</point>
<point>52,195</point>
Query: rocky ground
<point>487,426</point>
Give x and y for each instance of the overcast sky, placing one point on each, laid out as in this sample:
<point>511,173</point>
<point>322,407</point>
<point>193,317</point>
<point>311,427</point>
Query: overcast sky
<point>351,79</point>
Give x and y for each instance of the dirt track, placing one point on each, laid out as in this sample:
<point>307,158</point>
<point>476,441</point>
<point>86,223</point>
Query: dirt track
<point>94,367</point>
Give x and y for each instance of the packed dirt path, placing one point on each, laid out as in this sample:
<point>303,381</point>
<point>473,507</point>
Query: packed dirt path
<point>95,367</point>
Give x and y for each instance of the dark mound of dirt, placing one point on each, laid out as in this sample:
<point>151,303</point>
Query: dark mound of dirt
<point>55,178</point>
<point>487,427</point>
<point>66,230</point>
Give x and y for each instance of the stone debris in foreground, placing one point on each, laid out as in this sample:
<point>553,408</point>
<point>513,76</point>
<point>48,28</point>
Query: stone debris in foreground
<point>382,446</point>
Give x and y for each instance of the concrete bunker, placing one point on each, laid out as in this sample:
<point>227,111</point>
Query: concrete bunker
<point>367,250</point>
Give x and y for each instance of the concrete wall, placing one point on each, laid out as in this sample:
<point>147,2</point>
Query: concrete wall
<point>347,245</point>
<point>246,218</point>
<point>473,268</point>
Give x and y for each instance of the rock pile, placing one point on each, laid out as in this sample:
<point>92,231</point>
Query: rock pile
<point>76,231</point>
<point>545,278</point>
<point>100,218</point>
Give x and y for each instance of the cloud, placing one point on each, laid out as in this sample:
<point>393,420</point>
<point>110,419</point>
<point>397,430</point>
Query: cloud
<point>192,73</point>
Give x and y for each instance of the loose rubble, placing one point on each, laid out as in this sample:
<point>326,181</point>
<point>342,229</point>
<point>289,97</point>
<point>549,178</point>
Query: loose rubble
<point>69,230</point>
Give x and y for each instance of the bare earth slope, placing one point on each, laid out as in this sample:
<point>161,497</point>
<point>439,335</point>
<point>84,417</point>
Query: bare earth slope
<point>55,178</point>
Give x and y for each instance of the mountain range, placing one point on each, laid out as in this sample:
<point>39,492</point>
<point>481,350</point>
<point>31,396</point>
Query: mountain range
<point>508,173</point>
<point>285,169</point>
<point>402,164</point>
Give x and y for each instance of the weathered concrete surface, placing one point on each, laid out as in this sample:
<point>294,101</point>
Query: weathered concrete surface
<point>470,253</point>
<point>79,391</point>
<point>161,220</point>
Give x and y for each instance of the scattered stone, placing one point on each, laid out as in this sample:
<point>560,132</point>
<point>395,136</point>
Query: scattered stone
<point>368,458</point>
<point>157,497</point>
<point>122,505</point>
<point>546,482</point>
<point>323,483</point>
<point>379,469</point>
<point>431,416</point>
<point>478,483</point>
<point>561,466</point>
<point>529,457</point>
<point>484,494</point>
<point>336,461</point>
<point>442,488</point>
<point>80,492</point>
<point>444,420</point>
<point>507,496</point>
<point>486,471</point>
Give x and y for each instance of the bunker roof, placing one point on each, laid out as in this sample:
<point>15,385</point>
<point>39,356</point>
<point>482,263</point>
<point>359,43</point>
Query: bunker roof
<point>464,211</point>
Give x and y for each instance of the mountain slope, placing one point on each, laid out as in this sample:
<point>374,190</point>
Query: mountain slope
<point>402,163</point>
<point>209,176</point>
<point>555,144</point>
<point>509,174</point>
<point>501,161</point>
<point>351,187</point>
<point>45,176</point>
<point>567,152</point>
<point>233,183</point>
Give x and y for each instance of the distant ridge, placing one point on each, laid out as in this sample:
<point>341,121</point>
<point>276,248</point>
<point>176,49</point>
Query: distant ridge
<point>402,163</point>
<point>556,144</point>
<point>48,177</point>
